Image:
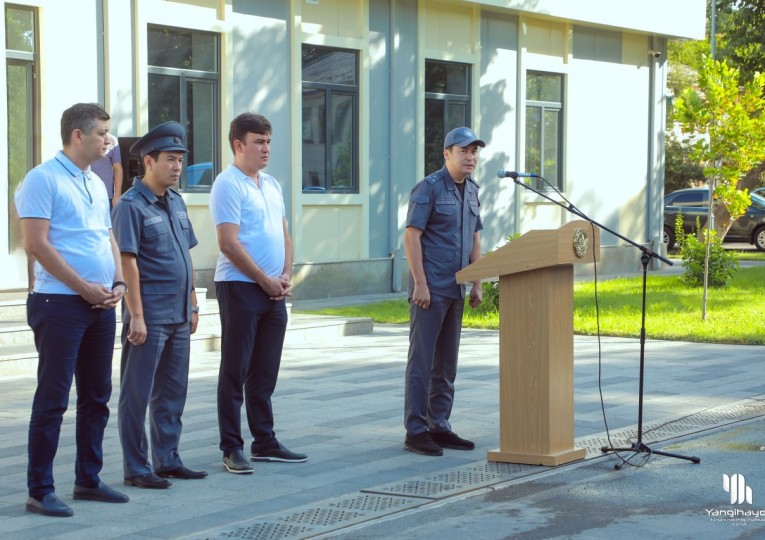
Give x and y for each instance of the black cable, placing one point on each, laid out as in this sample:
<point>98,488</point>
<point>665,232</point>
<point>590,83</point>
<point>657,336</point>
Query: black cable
<point>572,207</point>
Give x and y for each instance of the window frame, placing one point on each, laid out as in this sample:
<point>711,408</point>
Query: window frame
<point>448,100</point>
<point>185,77</point>
<point>29,61</point>
<point>331,90</point>
<point>546,106</point>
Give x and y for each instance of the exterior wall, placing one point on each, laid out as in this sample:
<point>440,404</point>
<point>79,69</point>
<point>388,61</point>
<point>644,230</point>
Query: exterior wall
<point>613,111</point>
<point>322,231</point>
<point>678,19</point>
<point>56,71</point>
<point>499,108</point>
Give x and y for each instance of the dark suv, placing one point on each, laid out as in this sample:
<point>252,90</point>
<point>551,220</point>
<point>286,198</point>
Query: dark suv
<point>694,202</point>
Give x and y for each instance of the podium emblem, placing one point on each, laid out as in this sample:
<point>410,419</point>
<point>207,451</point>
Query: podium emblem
<point>581,242</point>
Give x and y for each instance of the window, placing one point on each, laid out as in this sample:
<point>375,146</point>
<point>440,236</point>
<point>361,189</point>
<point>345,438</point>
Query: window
<point>184,82</point>
<point>330,120</point>
<point>21,76</point>
<point>544,127</point>
<point>691,198</point>
<point>447,106</point>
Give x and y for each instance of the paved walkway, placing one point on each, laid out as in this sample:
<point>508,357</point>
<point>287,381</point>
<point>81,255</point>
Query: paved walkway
<point>341,403</point>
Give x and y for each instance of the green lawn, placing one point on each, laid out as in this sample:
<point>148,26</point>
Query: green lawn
<point>751,255</point>
<point>735,314</point>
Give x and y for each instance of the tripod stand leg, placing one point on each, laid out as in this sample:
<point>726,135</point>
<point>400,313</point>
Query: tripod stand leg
<point>638,447</point>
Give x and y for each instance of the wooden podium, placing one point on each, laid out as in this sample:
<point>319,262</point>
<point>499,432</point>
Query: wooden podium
<point>536,340</point>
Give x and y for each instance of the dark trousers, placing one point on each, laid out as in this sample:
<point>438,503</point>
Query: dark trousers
<point>154,374</point>
<point>73,341</point>
<point>431,368</point>
<point>253,328</point>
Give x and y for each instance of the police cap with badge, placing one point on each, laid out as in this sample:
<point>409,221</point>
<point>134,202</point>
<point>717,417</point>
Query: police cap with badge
<point>166,137</point>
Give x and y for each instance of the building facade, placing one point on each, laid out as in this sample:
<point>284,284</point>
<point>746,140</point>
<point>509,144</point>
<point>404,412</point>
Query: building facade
<point>360,94</point>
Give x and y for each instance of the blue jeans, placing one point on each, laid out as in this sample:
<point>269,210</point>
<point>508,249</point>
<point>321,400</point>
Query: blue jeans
<point>73,341</point>
<point>253,328</point>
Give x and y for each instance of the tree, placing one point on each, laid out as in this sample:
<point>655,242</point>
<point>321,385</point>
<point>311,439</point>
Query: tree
<point>680,169</point>
<point>728,127</point>
<point>741,25</point>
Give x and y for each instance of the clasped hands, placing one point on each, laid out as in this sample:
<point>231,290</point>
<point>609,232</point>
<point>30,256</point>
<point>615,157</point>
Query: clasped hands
<point>278,288</point>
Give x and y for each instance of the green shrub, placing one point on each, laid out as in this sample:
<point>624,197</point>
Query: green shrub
<point>491,288</point>
<point>679,232</point>
<point>722,263</point>
<point>490,295</point>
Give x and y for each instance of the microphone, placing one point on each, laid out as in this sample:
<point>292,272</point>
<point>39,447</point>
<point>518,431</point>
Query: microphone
<point>502,173</point>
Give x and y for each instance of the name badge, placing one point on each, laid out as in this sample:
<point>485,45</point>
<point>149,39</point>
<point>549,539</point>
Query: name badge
<point>152,221</point>
<point>444,199</point>
<point>181,215</point>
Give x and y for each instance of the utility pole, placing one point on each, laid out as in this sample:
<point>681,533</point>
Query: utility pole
<point>710,209</point>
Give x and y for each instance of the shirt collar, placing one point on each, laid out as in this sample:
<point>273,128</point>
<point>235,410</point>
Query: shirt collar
<point>242,175</point>
<point>69,165</point>
<point>144,190</point>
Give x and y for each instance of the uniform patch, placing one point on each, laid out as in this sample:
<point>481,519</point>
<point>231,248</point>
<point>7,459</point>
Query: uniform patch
<point>445,199</point>
<point>181,215</point>
<point>152,220</point>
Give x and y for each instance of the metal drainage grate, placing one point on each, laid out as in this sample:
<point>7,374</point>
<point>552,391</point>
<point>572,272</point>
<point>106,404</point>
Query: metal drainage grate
<point>371,503</point>
<point>311,520</point>
<point>452,482</point>
<point>330,515</point>
<point>688,425</point>
<point>267,531</point>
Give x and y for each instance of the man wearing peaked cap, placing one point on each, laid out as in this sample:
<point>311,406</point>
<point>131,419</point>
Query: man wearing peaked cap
<point>442,237</point>
<point>166,137</point>
<point>154,235</point>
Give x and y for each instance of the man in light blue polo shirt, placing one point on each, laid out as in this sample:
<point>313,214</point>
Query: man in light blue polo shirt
<point>252,280</point>
<point>65,220</point>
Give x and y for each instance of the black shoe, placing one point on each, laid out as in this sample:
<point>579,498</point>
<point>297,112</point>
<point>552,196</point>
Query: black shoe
<point>422,444</point>
<point>280,454</point>
<point>182,472</point>
<point>148,481</point>
<point>50,505</point>
<point>100,493</point>
<point>449,439</point>
<point>236,463</point>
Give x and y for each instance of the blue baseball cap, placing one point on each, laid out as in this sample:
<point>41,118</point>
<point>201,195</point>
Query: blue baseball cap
<point>462,137</point>
<point>166,137</point>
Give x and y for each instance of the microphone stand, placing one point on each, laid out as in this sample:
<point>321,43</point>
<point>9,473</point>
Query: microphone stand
<point>638,446</point>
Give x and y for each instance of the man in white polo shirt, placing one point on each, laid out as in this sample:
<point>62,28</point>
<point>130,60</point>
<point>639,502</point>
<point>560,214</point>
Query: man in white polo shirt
<point>252,280</point>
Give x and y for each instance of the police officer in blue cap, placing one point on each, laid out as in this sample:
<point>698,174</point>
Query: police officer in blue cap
<point>154,236</point>
<point>442,237</point>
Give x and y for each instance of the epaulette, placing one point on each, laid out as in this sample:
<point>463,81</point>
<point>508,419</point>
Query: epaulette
<point>433,178</point>
<point>130,194</point>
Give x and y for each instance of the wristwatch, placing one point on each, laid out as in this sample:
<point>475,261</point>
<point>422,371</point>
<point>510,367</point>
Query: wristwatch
<point>118,283</point>
<point>195,309</point>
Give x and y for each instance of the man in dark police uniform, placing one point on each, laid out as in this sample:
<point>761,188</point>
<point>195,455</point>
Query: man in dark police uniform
<point>154,235</point>
<point>442,237</point>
